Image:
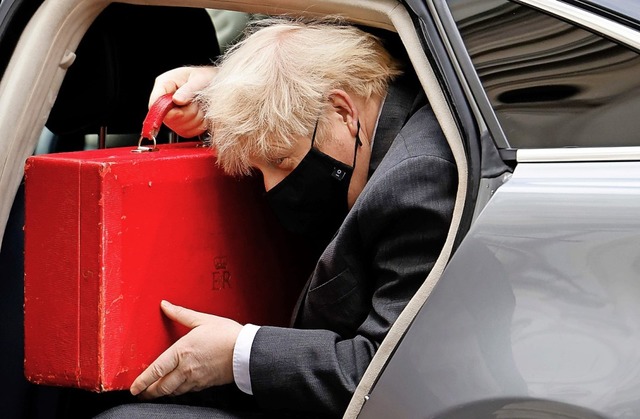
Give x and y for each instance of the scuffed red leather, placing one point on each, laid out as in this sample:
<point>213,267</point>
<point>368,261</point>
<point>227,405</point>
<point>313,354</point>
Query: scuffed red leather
<point>156,114</point>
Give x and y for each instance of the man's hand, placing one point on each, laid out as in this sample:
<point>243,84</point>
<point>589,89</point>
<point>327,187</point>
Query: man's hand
<point>200,359</point>
<point>186,119</point>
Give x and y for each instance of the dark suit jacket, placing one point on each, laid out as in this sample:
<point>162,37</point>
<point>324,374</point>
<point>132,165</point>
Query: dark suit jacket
<point>375,263</point>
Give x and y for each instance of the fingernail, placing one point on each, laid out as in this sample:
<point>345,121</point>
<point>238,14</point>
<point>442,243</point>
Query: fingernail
<point>165,304</point>
<point>179,97</point>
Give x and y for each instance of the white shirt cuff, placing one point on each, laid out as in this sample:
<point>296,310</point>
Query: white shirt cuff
<point>241,356</point>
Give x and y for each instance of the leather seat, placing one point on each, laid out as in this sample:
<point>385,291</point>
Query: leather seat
<point>117,62</point>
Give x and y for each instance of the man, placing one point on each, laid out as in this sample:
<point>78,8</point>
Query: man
<point>350,154</point>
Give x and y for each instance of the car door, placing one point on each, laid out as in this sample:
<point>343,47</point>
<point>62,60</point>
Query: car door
<point>537,314</point>
<point>17,397</point>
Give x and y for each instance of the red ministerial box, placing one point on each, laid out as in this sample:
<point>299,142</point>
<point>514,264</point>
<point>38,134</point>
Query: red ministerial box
<point>110,233</point>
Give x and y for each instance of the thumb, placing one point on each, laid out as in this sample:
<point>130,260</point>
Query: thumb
<point>184,95</point>
<point>198,78</point>
<point>182,315</point>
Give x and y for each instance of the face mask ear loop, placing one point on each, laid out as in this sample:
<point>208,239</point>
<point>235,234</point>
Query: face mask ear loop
<point>313,137</point>
<point>358,143</point>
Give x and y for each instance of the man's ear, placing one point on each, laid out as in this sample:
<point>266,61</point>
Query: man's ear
<point>344,106</point>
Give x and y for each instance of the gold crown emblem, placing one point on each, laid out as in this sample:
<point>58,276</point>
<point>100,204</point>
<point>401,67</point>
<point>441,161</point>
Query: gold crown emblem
<point>220,262</point>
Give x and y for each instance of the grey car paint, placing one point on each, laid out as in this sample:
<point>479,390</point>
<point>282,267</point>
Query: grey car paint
<point>537,314</point>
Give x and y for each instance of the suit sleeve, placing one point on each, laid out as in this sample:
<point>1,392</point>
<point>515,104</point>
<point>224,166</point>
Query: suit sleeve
<point>402,229</point>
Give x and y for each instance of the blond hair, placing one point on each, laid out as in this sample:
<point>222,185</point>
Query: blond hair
<point>273,85</point>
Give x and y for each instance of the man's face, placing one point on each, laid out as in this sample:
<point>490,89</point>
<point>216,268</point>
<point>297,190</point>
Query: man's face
<point>340,146</point>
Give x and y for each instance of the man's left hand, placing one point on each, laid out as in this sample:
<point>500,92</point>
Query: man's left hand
<point>200,359</point>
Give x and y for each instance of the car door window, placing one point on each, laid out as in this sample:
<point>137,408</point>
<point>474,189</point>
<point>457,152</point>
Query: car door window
<point>551,83</point>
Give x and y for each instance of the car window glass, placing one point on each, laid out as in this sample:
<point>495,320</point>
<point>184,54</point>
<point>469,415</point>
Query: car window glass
<point>630,9</point>
<point>550,83</point>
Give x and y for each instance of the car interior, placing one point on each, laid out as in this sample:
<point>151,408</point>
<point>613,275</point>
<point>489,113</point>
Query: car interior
<point>83,70</point>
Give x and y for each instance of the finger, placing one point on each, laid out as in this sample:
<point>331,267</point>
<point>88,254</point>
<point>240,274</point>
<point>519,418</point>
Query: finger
<point>198,79</point>
<point>169,82</point>
<point>182,315</point>
<point>187,129</point>
<point>186,387</point>
<point>187,121</point>
<point>184,115</point>
<point>165,386</point>
<point>185,94</point>
<point>161,88</point>
<point>163,365</point>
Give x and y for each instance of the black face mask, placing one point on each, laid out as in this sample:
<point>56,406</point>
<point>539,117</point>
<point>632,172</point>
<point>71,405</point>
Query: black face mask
<point>312,199</point>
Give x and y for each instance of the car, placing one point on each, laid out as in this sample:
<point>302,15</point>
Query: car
<point>533,307</point>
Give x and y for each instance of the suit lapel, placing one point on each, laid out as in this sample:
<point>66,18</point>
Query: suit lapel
<point>403,98</point>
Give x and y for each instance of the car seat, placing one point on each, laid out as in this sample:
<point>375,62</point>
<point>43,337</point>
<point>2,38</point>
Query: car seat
<point>106,89</point>
<point>125,49</point>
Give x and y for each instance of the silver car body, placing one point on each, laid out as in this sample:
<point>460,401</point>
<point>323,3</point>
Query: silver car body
<point>537,311</point>
<point>536,314</point>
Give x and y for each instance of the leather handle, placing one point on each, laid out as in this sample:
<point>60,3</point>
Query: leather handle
<point>155,116</point>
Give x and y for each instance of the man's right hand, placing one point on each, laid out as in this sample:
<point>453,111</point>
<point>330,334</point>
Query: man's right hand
<point>186,119</point>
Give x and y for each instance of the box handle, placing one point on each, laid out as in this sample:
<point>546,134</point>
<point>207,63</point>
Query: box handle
<point>153,122</point>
